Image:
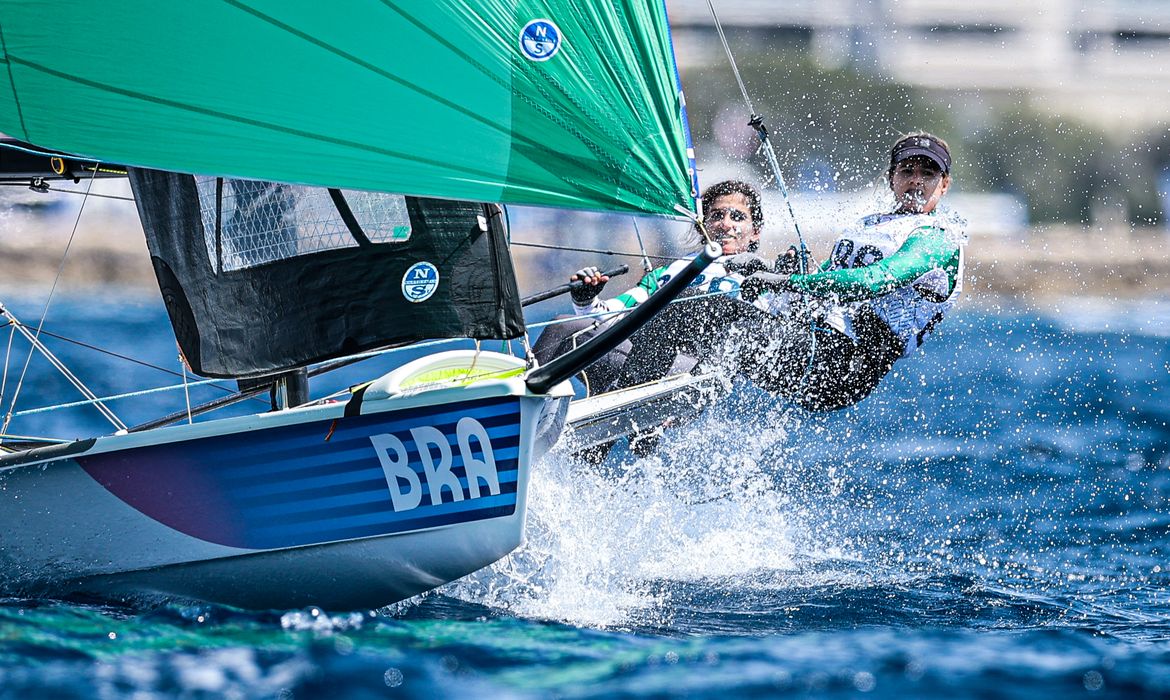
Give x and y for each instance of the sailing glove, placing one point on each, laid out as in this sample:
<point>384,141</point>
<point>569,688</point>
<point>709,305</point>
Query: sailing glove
<point>585,291</point>
<point>789,262</point>
<point>752,287</point>
<point>745,264</point>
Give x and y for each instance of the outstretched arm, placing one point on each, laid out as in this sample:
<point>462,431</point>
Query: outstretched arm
<point>922,252</point>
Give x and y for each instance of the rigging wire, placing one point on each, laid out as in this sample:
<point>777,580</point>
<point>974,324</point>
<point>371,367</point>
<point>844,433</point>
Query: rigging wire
<point>113,397</point>
<point>646,266</point>
<point>757,123</point>
<point>7,356</point>
<point>36,344</point>
<point>103,351</point>
<point>734,68</point>
<point>364,355</point>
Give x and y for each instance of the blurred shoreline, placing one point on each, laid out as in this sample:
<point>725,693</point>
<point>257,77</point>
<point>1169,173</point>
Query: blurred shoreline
<point>1047,263</point>
<point>1061,262</point>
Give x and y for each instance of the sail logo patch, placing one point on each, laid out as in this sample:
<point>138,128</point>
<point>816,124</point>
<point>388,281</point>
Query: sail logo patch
<point>540,40</point>
<point>420,282</point>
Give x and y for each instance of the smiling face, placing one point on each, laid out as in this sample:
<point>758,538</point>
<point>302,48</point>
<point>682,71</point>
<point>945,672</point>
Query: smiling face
<point>918,184</point>
<point>729,223</point>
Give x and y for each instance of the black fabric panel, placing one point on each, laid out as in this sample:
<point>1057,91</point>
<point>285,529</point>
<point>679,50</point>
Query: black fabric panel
<point>179,309</point>
<point>311,308</point>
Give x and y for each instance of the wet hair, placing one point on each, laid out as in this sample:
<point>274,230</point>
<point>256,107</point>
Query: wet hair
<point>721,189</point>
<point>901,145</point>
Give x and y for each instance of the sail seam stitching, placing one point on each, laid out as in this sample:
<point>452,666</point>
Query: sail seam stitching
<point>241,120</point>
<point>600,155</point>
<point>535,145</point>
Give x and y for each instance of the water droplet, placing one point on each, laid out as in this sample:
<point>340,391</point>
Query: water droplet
<point>392,677</point>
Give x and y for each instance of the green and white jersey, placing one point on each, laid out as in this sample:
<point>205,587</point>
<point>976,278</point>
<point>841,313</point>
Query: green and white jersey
<point>906,268</point>
<point>713,279</point>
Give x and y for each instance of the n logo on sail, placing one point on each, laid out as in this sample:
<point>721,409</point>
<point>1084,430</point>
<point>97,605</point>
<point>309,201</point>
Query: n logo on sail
<point>540,40</point>
<point>420,282</point>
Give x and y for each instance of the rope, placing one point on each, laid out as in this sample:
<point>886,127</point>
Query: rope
<point>529,356</point>
<point>646,266</point>
<point>474,358</point>
<point>757,123</point>
<point>703,232</point>
<point>80,192</point>
<point>583,375</point>
<point>186,390</point>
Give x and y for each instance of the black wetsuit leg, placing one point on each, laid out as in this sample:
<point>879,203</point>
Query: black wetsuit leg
<point>826,383</point>
<point>679,337</point>
<point>775,352</point>
<point>874,354</point>
<point>572,332</point>
<point>821,369</point>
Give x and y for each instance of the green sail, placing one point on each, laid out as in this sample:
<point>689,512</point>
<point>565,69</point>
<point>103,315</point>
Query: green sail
<point>436,98</point>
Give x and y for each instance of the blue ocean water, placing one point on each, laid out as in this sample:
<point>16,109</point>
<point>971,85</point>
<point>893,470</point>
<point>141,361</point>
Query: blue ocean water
<point>992,522</point>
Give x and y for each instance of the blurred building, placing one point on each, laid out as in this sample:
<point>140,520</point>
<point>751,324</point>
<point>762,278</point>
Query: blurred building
<point>1104,62</point>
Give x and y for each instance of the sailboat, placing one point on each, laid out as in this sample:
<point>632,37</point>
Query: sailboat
<point>317,180</point>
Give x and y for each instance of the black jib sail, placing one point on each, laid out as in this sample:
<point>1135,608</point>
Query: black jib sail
<point>262,277</point>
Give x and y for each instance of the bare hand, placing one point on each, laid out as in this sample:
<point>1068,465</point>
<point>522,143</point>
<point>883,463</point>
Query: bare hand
<point>591,276</point>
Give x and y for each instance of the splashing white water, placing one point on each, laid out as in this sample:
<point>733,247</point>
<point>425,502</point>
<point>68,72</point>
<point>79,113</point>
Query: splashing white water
<point>602,540</point>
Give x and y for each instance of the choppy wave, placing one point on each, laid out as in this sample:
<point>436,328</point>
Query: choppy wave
<point>992,522</point>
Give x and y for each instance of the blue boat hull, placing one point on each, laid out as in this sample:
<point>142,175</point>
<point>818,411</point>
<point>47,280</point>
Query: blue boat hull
<point>302,507</point>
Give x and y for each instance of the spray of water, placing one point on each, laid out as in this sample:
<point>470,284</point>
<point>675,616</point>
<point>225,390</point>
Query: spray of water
<point>605,542</point>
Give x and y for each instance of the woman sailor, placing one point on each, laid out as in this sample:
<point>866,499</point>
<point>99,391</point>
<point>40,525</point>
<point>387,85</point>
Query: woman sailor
<point>733,218</point>
<point>824,340</point>
<point>889,280</point>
